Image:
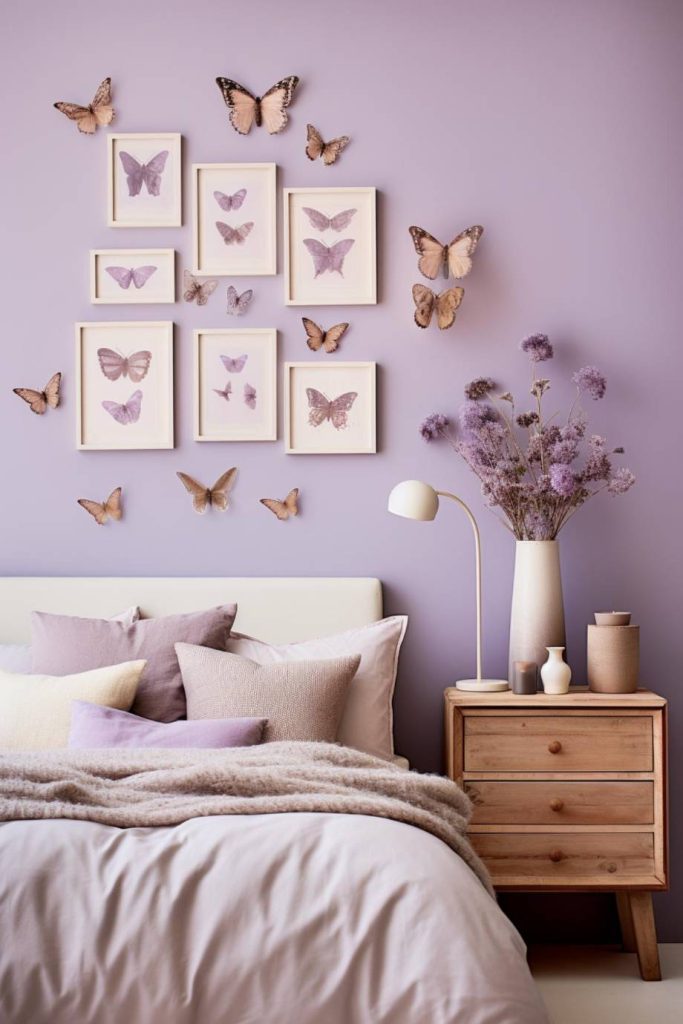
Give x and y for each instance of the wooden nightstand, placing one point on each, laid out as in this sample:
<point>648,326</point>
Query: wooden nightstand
<point>569,794</point>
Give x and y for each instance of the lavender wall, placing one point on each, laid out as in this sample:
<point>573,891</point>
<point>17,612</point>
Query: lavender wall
<point>557,126</point>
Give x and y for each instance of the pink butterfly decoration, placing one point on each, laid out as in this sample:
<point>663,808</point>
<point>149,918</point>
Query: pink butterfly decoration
<point>129,412</point>
<point>235,365</point>
<point>321,408</point>
<point>322,222</point>
<point>250,396</point>
<point>232,202</point>
<point>148,174</point>
<point>114,365</point>
<point>238,304</point>
<point>328,257</point>
<point>138,275</point>
<point>234,235</point>
<point>226,392</point>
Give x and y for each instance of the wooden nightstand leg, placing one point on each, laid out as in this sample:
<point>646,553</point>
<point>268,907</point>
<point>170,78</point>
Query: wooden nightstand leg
<point>628,938</point>
<point>645,935</point>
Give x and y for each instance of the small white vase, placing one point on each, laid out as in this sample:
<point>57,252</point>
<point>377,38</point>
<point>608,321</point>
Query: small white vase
<point>555,673</point>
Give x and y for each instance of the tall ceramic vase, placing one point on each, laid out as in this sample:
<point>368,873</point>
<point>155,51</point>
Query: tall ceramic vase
<point>537,617</point>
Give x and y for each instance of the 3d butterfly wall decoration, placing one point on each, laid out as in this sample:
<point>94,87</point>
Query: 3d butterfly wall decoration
<point>250,396</point>
<point>225,393</point>
<point>115,365</point>
<point>39,401</point>
<point>245,109</point>
<point>128,412</point>
<point>322,222</point>
<point>234,236</point>
<point>232,202</point>
<point>234,364</point>
<point>336,411</point>
<point>101,511</point>
<point>283,509</point>
<point>148,174</point>
<point>454,258</point>
<point>124,275</point>
<point>327,151</point>
<point>318,338</point>
<point>238,304</point>
<point>446,305</point>
<point>216,496</point>
<point>328,257</point>
<point>97,114</point>
<point>196,290</point>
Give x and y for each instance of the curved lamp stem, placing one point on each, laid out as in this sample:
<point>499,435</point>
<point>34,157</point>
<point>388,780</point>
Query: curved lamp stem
<point>477,552</point>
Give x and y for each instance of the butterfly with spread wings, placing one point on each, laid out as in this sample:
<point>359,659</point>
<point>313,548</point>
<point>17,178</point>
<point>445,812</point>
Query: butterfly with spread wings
<point>232,235</point>
<point>336,411</point>
<point>327,151</point>
<point>317,338</point>
<point>198,291</point>
<point>321,222</point>
<point>202,496</point>
<point>454,258</point>
<point>39,401</point>
<point>101,511</point>
<point>125,412</point>
<point>238,304</point>
<point>149,174</point>
<point>114,365</point>
<point>124,276</point>
<point>269,110</point>
<point>230,202</point>
<point>445,305</point>
<point>283,509</point>
<point>97,114</point>
<point>328,257</point>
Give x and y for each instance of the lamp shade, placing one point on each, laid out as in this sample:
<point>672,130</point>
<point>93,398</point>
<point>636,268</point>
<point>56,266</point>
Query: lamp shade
<point>414,499</point>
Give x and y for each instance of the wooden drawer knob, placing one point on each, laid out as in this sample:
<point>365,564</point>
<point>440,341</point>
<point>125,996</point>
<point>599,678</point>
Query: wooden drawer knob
<point>556,856</point>
<point>556,804</point>
<point>555,747</point>
<point>611,867</point>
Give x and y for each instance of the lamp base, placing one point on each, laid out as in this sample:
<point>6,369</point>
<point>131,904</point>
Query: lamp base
<point>482,685</point>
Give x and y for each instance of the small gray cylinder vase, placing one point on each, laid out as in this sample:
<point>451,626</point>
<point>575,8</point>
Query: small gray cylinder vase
<point>537,616</point>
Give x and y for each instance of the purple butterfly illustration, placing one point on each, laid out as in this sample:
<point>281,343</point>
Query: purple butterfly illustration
<point>238,304</point>
<point>148,174</point>
<point>225,393</point>
<point>250,396</point>
<point>321,408</point>
<point>328,257</point>
<point>236,235</point>
<point>235,365</point>
<point>129,412</point>
<point>232,202</point>
<point>322,222</point>
<point>138,275</point>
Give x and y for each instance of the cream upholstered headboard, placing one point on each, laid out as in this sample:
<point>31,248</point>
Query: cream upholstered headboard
<point>277,609</point>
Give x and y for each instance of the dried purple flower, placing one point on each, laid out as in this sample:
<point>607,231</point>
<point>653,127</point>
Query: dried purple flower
<point>434,426</point>
<point>539,387</point>
<point>565,451</point>
<point>507,397</point>
<point>538,526</point>
<point>621,482</point>
<point>598,466</point>
<point>590,379</point>
<point>562,480</point>
<point>527,419</point>
<point>479,388</point>
<point>537,347</point>
<point>575,430</point>
<point>473,415</point>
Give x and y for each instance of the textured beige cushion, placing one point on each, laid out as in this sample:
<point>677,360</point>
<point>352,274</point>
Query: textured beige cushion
<point>35,710</point>
<point>302,700</point>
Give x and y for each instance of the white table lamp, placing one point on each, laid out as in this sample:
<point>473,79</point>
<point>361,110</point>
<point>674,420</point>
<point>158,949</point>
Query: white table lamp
<point>413,499</point>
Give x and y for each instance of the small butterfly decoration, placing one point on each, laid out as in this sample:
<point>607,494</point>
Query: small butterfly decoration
<point>454,258</point>
<point>285,509</point>
<point>327,151</point>
<point>234,236</point>
<point>250,396</point>
<point>148,174</point>
<point>198,291</point>
<point>445,305</point>
<point>203,497</point>
<point>269,110</point>
<point>336,411</point>
<point>124,276</point>
<point>230,202</point>
<point>238,304</point>
<point>234,364</point>
<point>39,401</point>
<point>97,114</point>
<point>328,257</point>
<point>126,412</point>
<point>115,365</point>
<point>225,393</point>
<point>317,338</point>
<point>101,511</point>
<point>322,222</point>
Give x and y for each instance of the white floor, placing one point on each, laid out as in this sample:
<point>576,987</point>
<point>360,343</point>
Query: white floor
<point>582,985</point>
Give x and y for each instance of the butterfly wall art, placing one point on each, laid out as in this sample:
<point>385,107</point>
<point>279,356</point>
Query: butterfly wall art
<point>285,509</point>
<point>204,497</point>
<point>114,364</point>
<point>330,407</point>
<point>101,511</point>
<point>269,110</point>
<point>125,412</point>
<point>232,202</point>
<point>250,396</point>
<point>327,151</point>
<point>224,392</point>
<point>198,291</point>
<point>39,401</point>
<point>125,276</point>
<point>238,304</point>
<point>329,257</point>
<point>454,258</point>
<point>236,385</point>
<point>445,305</point>
<point>96,114</point>
<point>234,235</point>
<point>234,212</point>
<point>144,179</point>
<point>321,222</point>
<point>139,174</point>
<point>317,338</point>
<point>132,276</point>
<point>234,364</point>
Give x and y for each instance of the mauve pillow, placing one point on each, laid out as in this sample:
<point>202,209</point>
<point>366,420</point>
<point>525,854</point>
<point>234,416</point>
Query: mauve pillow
<point>93,727</point>
<point>62,645</point>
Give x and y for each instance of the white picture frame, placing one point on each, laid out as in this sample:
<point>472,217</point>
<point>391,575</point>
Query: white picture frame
<point>256,255</point>
<point>348,279</point>
<point>98,428</point>
<point>358,435</point>
<point>144,209</point>
<point>248,410</point>
<point>109,289</point>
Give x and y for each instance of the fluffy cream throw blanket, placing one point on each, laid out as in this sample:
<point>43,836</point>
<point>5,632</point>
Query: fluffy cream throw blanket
<point>148,788</point>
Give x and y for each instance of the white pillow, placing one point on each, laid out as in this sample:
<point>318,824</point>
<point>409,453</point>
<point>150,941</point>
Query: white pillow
<point>35,710</point>
<point>17,657</point>
<point>367,722</point>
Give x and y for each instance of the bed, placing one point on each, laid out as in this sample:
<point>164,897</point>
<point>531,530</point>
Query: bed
<point>306,916</point>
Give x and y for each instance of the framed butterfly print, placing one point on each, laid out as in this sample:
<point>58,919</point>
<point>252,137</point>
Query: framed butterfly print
<point>330,408</point>
<point>132,276</point>
<point>235,227</point>
<point>330,246</point>
<point>144,180</point>
<point>124,382</point>
<point>235,385</point>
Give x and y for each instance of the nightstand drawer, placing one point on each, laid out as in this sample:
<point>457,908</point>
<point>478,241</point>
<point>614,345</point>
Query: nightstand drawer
<point>558,743</point>
<point>561,803</point>
<point>594,858</point>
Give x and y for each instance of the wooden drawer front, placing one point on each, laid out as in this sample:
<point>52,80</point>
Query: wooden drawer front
<point>595,857</point>
<point>558,743</point>
<point>561,803</point>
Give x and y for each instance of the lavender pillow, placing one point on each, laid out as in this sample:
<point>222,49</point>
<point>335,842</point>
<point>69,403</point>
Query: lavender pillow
<point>93,726</point>
<point>62,645</point>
